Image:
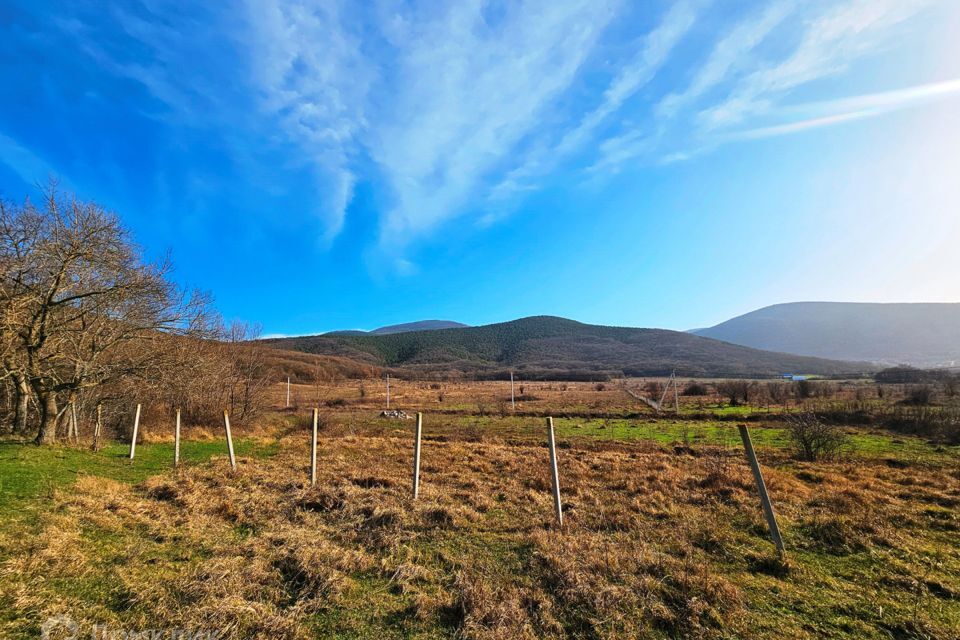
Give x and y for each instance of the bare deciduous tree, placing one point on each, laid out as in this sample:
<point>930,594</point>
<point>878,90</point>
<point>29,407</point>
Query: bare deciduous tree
<point>82,307</point>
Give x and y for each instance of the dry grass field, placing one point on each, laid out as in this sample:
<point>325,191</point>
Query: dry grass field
<point>663,536</point>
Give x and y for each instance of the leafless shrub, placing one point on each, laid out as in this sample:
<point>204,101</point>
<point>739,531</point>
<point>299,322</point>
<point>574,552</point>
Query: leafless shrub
<point>919,395</point>
<point>779,392</point>
<point>736,391</point>
<point>696,389</point>
<point>812,439</point>
<point>653,388</point>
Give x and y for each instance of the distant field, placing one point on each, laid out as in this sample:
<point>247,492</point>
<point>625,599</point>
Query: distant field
<point>663,535</point>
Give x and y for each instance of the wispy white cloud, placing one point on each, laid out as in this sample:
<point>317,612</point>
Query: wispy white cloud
<point>828,37</point>
<point>456,110</point>
<point>828,45</point>
<point>730,52</point>
<point>653,51</point>
<point>468,91</point>
<point>29,166</point>
<point>833,112</point>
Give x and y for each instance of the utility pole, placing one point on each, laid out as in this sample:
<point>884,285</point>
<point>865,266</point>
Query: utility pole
<point>676,394</point>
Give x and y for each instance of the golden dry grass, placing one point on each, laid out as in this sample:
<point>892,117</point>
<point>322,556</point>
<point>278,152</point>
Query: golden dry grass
<point>655,544</point>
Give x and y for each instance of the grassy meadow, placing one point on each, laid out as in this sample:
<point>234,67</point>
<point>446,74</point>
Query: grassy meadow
<point>663,535</point>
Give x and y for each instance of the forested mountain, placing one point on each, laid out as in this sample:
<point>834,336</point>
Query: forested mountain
<point>920,334</point>
<point>420,325</point>
<point>546,346</point>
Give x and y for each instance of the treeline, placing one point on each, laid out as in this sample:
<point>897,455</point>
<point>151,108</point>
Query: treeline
<point>88,322</point>
<point>911,375</point>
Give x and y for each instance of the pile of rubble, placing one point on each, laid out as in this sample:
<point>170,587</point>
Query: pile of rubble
<point>396,414</point>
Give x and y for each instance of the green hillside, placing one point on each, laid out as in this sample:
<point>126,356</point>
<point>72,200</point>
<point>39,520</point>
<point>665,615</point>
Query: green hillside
<point>546,346</point>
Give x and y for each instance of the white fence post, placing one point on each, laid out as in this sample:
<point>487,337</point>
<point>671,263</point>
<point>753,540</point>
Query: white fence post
<point>96,428</point>
<point>513,402</point>
<point>313,447</point>
<point>226,426</point>
<point>558,507</point>
<point>416,456</point>
<point>74,422</point>
<point>176,442</point>
<point>136,428</point>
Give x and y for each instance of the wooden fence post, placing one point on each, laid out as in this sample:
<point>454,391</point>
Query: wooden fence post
<point>226,426</point>
<point>313,447</point>
<point>176,442</point>
<point>96,428</point>
<point>558,507</point>
<point>136,428</point>
<point>762,489</point>
<point>416,456</point>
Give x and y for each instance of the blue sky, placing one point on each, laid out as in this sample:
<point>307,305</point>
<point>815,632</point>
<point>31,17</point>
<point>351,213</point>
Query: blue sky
<point>349,165</point>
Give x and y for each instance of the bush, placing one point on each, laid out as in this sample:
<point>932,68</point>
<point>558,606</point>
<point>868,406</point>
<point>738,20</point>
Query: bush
<point>696,389</point>
<point>919,395</point>
<point>736,391</point>
<point>814,440</point>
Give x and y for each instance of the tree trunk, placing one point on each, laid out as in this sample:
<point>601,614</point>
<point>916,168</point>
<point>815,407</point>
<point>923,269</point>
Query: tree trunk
<point>48,418</point>
<point>22,400</point>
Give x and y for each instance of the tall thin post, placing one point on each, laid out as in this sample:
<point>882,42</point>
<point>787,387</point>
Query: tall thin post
<point>416,456</point>
<point>388,392</point>
<point>176,441</point>
<point>663,396</point>
<point>762,489</point>
<point>313,447</point>
<point>558,507</point>
<point>288,391</point>
<point>513,402</point>
<point>96,428</point>
<point>73,422</point>
<point>136,428</point>
<point>226,426</point>
<point>676,394</point>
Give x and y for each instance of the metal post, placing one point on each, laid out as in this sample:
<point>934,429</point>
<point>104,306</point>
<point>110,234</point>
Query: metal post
<point>226,427</point>
<point>136,428</point>
<point>176,441</point>
<point>513,402</point>
<point>388,392</point>
<point>288,391</point>
<point>558,507</point>
<point>762,489</point>
<point>313,447</point>
<point>416,456</point>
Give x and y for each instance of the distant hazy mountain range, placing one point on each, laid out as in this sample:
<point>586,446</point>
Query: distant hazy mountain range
<point>921,334</point>
<point>422,325</point>
<point>546,346</point>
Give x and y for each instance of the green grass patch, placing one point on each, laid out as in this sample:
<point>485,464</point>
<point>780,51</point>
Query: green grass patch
<point>29,472</point>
